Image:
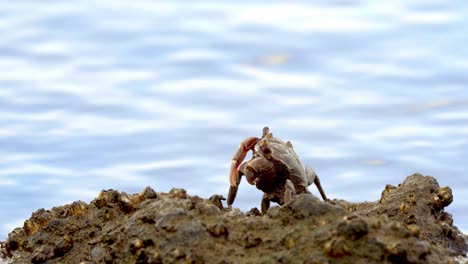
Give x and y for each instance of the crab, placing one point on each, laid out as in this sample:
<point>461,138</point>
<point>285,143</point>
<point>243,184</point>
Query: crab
<point>274,169</point>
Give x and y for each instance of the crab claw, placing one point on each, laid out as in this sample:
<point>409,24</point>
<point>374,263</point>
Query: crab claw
<point>246,145</point>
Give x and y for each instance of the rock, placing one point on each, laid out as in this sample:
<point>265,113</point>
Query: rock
<point>178,193</point>
<point>353,229</point>
<point>147,193</point>
<point>169,220</point>
<point>63,245</point>
<point>106,197</point>
<point>127,203</point>
<point>424,216</point>
<point>42,254</point>
<point>408,224</point>
<point>307,205</point>
<point>218,230</point>
<point>217,200</point>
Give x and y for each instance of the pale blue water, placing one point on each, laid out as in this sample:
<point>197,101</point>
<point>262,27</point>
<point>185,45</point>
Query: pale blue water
<point>124,94</point>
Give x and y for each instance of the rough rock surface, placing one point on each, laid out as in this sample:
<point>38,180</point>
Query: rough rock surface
<point>407,225</point>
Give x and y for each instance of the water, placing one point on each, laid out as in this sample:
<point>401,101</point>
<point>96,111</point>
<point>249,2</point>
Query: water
<point>123,94</point>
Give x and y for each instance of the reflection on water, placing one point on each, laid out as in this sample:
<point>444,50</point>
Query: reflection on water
<point>120,94</point>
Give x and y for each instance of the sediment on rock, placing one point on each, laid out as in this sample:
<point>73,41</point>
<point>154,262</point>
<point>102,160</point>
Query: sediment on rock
<point>175,227</point>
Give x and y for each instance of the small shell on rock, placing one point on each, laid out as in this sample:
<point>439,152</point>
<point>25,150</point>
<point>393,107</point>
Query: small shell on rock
<point>405,206</point>
<point>106,197</point>
<point>289,242</point>
<point>388,189</point>
<point>217,200</point>
<point>218,230</point>
<point>77,208</point>
<point>126,203</point>
<point>254,212</point>
<point>414,229</point>
<point>136,245</point>
<point>177,193</point>
<point>178,253</point>
<point>443,197</point>
<point>147,193</point>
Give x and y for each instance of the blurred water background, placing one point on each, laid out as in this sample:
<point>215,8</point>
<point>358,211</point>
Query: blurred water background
<point>124,94</point>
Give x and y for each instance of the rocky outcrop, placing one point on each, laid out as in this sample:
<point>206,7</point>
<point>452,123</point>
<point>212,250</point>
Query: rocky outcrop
<point>407,225</point>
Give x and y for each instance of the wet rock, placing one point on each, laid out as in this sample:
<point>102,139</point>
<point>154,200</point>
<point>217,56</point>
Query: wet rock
<point>407,224</point>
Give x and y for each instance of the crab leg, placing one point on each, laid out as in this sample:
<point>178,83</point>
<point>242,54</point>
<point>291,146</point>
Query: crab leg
<point>246,145</point>
<point>289,191</point>
<point>319,187</point>
<point>265,203</point>
<point>313,178</point>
